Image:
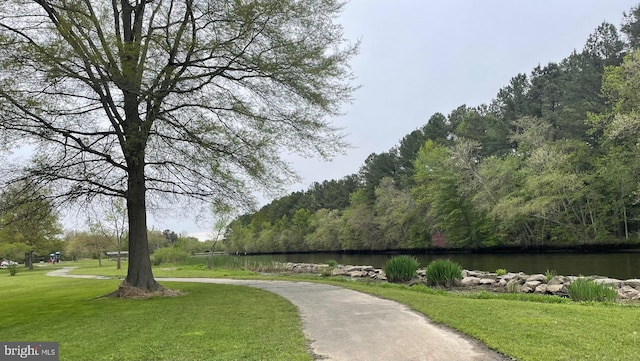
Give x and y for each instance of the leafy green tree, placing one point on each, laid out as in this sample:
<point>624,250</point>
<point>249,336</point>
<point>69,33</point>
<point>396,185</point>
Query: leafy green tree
<point>360,229</point>
<point>28,222</point>
<point>394,211</point>
<point>443,186</point>
<point>326,225</point>
<point>74,247</point>
<point>179,98</point>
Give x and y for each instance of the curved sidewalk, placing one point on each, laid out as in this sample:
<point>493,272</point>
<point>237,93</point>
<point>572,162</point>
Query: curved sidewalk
<point>346,325</point>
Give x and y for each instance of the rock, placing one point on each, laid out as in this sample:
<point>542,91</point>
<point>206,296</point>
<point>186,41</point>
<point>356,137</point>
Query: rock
<point>487,281</point>
<point>608,281</point>
<point>380,275</point>
<point>358,273</point>
<point>465,273</point>
<point>526,289</point>
<point>478,274</point>
<point>509,276</point>
<point>532,284</point>
<point>628,293</point>
<point>537,277</point>
<point>513,285</point>
<point>635,283</point>
<point>502,282</point>
<point>555,289</point>
<point>470,281</point>
<point>339,271</point>
<point>556,280</point>
<point>542,288</point>
<point>421,272</point>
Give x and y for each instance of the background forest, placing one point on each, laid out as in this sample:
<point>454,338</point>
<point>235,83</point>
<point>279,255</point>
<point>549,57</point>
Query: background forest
<point>552,161</point>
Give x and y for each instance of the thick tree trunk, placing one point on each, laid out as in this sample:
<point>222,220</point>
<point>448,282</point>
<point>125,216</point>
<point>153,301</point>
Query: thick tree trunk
<point>139,272</point>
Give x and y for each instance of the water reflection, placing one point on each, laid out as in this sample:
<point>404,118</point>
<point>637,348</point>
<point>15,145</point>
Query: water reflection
<point>622,265</point>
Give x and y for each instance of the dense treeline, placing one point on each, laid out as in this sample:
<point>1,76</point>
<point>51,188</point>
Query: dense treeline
<point>551,161</point>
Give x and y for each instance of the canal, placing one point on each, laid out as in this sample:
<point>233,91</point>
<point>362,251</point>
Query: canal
<point>621,265</point>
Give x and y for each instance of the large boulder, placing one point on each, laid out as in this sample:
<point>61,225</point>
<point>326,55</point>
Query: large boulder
<point>608,281</point>
<point>487,281</point>
<point>628,293</point>
<point>537,278</point>
<point>635,283</point>
<point>470,281</point>
<point>557,290</point>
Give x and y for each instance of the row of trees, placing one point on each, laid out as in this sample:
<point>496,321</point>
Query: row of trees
<point>551,161</point>
<point>30,230</point>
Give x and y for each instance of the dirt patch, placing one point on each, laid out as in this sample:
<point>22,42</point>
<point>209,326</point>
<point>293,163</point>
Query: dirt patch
<point>126,291</point>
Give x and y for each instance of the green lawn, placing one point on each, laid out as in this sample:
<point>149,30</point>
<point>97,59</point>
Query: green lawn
<point>227,323</point>
<point>210,322</point>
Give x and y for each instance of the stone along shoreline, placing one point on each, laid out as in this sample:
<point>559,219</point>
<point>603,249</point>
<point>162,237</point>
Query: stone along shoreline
<point>479,280</point>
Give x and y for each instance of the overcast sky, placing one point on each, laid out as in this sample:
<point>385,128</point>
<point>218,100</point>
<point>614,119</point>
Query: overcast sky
<point>420,57</point>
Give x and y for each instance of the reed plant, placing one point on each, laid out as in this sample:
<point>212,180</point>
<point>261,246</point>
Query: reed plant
<point>401,268</point>
<point>443,272</point>
<point>583,289</point>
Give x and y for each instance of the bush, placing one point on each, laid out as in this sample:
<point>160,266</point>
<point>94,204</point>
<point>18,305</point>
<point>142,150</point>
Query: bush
<point>13,269</point>
<point>443,272</point>
<point>501,272</point>
<point>401,268</point>
<point>169,255</point>
<point>587,290</point>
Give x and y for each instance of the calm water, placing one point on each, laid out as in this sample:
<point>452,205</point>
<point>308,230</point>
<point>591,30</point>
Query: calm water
<point>621,265</point>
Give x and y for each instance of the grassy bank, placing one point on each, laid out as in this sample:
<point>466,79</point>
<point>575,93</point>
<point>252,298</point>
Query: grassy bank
<point>210,322</point>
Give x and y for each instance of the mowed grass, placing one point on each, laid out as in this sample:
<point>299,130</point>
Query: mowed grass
<point>108,268</point>
<point>210,322</point>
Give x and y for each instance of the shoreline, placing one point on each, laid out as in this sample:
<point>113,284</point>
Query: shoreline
<point>545,284</point>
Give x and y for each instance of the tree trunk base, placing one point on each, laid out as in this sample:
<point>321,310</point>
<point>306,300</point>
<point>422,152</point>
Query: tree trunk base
<point>128,291</point>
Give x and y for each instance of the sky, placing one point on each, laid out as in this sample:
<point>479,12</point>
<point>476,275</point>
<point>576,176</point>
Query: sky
<point>420,57</point>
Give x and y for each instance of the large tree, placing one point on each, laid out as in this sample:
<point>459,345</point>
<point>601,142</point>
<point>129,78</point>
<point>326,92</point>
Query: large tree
<point>143,99</point>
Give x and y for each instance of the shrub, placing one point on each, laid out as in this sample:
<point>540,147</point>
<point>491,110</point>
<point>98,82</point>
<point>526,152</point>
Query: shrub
<point>169,255</point>
<point>332,263</point>
<point>13,269</point>
<point>443,272</point>
<point>501,272</point>
<point>401,268</point>
<point>587,290</point>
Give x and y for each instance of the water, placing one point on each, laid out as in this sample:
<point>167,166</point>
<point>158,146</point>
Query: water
<point>621,265</point>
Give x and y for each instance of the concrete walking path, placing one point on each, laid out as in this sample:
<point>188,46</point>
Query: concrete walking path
<point>346,325</point>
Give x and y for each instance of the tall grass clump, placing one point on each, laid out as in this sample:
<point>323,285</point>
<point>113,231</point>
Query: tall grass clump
<point>550,274</point>
<point>401,268</point>
<point>443,272</point>
<point>587,290</point>
<point>260,263</point>
<point>169,255</point>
